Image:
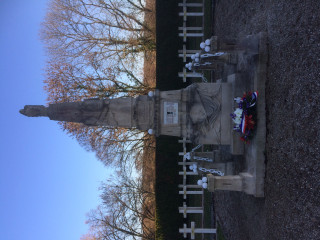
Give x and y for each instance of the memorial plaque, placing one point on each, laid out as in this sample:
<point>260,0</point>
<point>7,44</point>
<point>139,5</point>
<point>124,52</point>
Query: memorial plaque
<point>170,112</point>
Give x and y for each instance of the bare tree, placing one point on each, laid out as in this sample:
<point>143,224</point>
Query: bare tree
<point>88,236</point>
<point>123,212</point>
<point>65,82</point>
<point>111,30</point>
<point>94,47</point>
<point>96,50</point>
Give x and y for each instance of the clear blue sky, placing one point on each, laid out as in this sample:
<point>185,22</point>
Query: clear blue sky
<point>48,182</point>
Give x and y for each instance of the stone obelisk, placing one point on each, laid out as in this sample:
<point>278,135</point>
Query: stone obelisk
<point>199,112</point>
<point>120,112</point>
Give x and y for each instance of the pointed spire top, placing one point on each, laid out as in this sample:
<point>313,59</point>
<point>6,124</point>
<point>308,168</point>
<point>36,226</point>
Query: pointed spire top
<point>34,111</point>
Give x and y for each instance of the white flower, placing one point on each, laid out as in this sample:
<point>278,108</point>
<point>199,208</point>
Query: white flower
<point>237,120</point>
<point>238,116</point>
<point>187,156</point>
<point>207,42</point>
<point>202,45</point>
<point>238,99</point>
<point>238,112</point>
<point>200,182</point>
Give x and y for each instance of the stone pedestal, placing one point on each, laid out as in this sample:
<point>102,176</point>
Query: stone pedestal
<point>229,183</point>
<point>244,182</point>
<point>200,112</point>
<point>220,131</point>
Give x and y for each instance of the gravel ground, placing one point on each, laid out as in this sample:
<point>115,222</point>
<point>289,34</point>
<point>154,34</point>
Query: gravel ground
<point>291,208</point>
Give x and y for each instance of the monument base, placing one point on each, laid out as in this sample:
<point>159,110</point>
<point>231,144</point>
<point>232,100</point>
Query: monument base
<point>244,182</point>
<point>249,76</point>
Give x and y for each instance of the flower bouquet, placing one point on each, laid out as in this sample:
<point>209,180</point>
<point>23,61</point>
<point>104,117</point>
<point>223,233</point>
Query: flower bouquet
<point>244,117</point>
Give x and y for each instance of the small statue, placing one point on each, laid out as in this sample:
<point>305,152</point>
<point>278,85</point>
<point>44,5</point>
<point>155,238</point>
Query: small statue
<point>34,111</point>
<point>88,111</point>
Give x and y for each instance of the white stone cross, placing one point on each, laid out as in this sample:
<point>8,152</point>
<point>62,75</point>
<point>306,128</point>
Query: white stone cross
<point>185,188</point>
<point>185,192</point>
<point>185,210</point>
<point>184,4</point>
<point>184,141</point>
<point>189,185</point>
<point>184,53</point>
<point>185,13</point>
<point>186,32</point>
<point>186,74</point>
<point>184,163</point>
<point>192,230</point>
<point>184,173</point>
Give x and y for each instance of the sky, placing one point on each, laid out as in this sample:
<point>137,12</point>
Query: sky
<point>48,182</point>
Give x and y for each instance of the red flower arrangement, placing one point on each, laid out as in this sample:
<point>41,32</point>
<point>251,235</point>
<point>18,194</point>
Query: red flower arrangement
<point>244,116</point>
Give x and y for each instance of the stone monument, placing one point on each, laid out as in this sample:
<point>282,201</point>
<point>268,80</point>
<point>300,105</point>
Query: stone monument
<point>199,112</point>
<point>121,112</point>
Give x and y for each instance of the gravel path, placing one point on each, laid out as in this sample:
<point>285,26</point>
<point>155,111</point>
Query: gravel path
<point>291,208</point>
